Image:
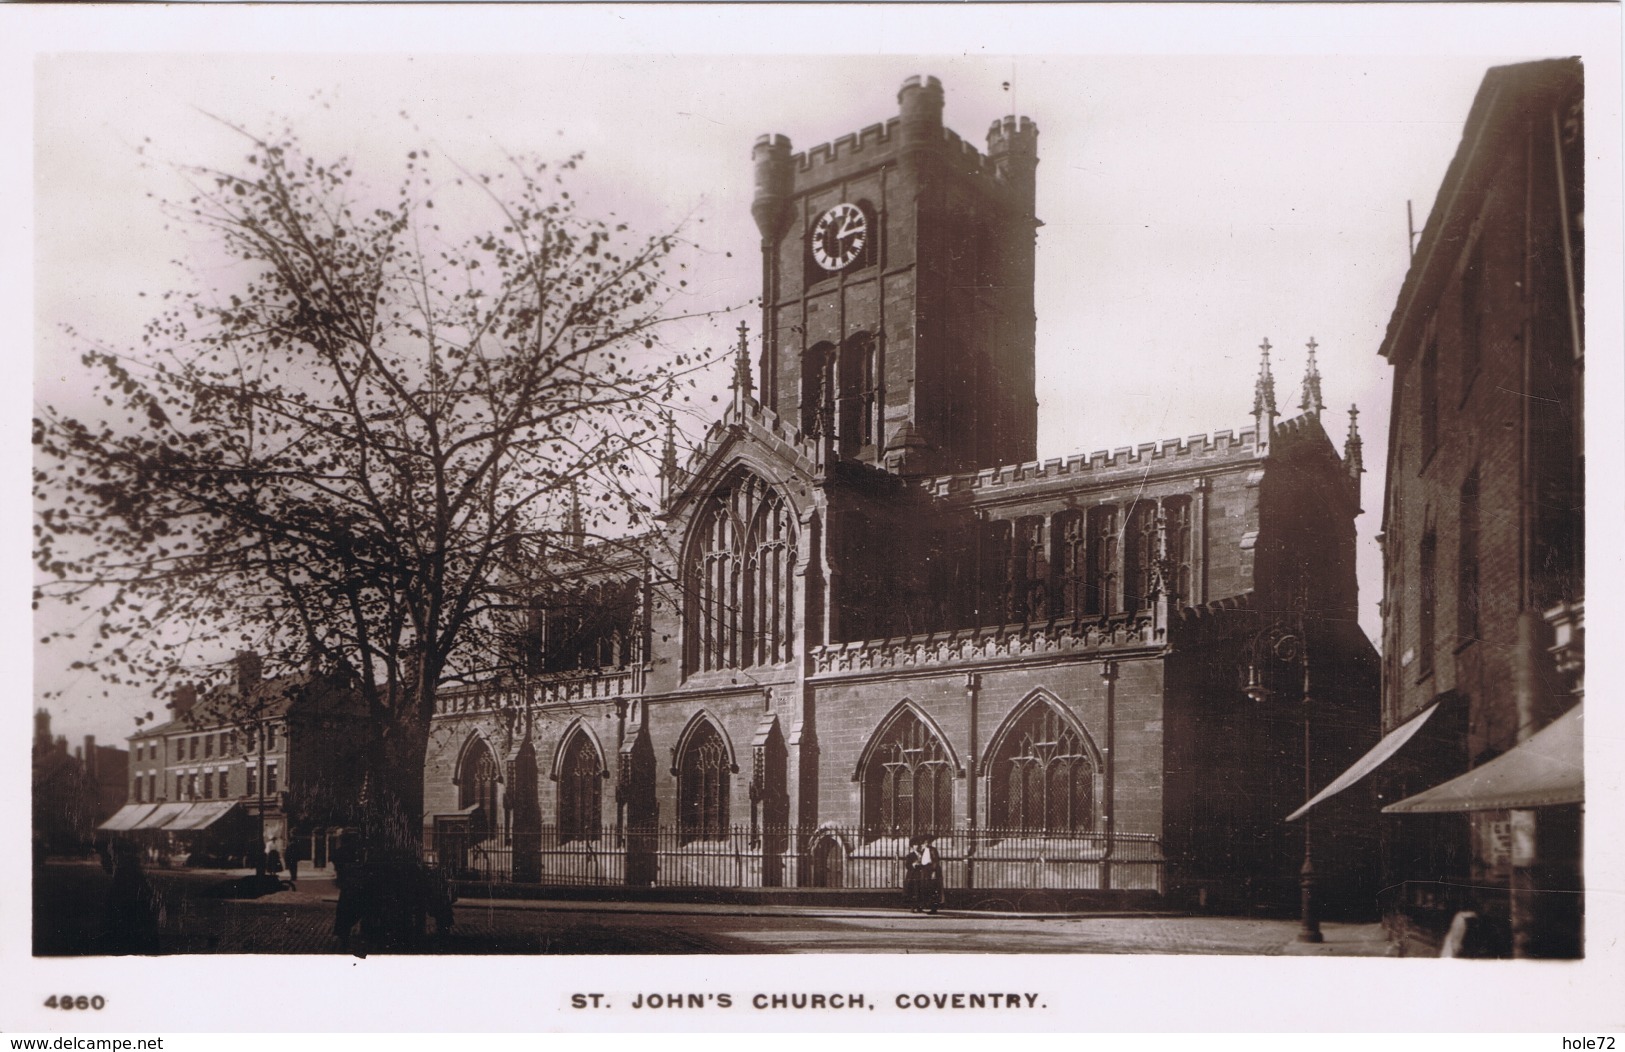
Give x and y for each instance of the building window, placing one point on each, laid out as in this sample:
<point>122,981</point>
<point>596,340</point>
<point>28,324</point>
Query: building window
<point>225,782</point>
<point>857,400</point>
<point>1102,596</point>
<point>270,736</point>
<point>1139,556</point>
<point>253,787</point>
<point>1467,583</point>
<point>1029,584</point>
<point>208,785</point>
<point>581,779</point>
<point>740,578</point>
<point>270,777</point>
<point>703,784</point>
<point>152,786</point>
<point>1042,776</point>
<point>817,388</point>
<point>191,786</point>
<point>1472,307</point>
<point>1428,594</point>
<point>1071,562</point>
<point>1430,398</point>
<point>208,745</point>
<point>192,748</point>
<point>907,781</point>
<point>1176,513</point>
<point>477,784</point>
<point>997,551</point>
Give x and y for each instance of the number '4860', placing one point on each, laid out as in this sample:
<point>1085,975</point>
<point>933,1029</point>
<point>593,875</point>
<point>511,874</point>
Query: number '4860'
<point>68,1002</point>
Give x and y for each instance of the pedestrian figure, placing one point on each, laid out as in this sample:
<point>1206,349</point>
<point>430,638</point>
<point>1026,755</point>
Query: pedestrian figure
<point>133,907</point>
<point>922,880</point>
<point>347,868</point>
<point>291,860</point>
<point>273,862</point>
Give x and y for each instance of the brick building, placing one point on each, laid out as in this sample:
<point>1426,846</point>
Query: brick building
<point>72,790</point>
<point>281,756</point>
<point>1483,518</point>
<point>870,614</point>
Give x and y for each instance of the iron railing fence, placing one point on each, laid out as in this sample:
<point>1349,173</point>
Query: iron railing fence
<point>825,857</point>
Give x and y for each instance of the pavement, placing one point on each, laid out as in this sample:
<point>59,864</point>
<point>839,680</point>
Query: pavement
<point>300,921</point>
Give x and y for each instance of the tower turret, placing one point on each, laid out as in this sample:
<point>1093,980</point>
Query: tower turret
<point>771,205</point>
<point>1012,147</point>
<point>919,103</point>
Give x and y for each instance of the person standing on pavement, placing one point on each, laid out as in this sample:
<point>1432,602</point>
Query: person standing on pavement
<point>922,880</point>
<point>347,862</point>
<point>273,862</point>
<point>291,860</point>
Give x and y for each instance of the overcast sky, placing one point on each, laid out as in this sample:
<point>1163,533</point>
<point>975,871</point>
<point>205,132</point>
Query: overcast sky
<point>1192,206</point>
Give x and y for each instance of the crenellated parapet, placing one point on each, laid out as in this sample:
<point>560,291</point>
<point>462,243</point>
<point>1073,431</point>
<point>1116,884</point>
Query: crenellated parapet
<point>562,688</point>
<point>1196,450</point>
<point>991,644</point>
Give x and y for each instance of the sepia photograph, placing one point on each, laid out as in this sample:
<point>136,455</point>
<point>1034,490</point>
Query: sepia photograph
<point>577,495</point>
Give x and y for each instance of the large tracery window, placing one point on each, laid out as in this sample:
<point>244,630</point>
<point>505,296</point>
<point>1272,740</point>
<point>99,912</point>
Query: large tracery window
<point>740,581</point>
<point>581,779</point>
<point>1042,777</point>
<point>907,781</point>
<point>703,780</point>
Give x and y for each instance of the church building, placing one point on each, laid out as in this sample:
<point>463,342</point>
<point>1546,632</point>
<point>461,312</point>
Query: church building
<point>870,614</point>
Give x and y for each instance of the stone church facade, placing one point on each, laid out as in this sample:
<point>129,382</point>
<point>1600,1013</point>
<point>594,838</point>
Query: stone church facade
<point>870,614</point>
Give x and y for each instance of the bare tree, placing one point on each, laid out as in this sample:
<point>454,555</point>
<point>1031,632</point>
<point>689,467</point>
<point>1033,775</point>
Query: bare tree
<point>346,443</point>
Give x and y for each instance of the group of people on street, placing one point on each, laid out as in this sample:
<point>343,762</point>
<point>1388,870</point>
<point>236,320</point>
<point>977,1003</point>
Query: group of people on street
<point>922,875</point>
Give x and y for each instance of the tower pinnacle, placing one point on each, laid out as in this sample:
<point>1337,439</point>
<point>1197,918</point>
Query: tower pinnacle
<point>741,381</point>
<point>1353,459</point>
<point>1312,402</point>
<point>1264,411</point>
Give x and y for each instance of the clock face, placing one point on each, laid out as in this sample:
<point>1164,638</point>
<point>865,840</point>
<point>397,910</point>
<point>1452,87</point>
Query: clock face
<point>839,236</point>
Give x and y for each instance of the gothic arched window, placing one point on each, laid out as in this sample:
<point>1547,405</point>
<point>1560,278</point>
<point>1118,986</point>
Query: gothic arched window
<point>856,411</point>
<point>740,580</point>
<point>1103,582</point>
<point>703,782</point>
<point>907,781</point>
<point>1139,555</point>
<point>817,388</point>
<point>477,783</point>
<point>1071,563</point>
<point>1042,776</point>
<point>581,779</point>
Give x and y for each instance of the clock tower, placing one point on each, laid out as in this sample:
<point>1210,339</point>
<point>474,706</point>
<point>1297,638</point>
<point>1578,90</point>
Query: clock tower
<point>897,289</point>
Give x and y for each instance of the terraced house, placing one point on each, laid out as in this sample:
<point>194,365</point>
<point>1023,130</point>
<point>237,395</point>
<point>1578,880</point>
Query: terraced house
<point>870,614</point>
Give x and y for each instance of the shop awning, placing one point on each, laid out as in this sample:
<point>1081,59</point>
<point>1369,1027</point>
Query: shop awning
<point>1545,771</point>
<point>200,816</point>
<point>1379,754</point>
<point>161,816</point>
<point>126,817</point>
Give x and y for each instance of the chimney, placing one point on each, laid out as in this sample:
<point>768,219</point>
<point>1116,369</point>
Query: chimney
<point>185,698</point>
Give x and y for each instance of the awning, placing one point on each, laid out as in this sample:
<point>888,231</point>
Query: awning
<point>1545,771</point>
<point>161,816</point>
<point>1370,761</point>
<point>200,816</point>
<point>126,817</point>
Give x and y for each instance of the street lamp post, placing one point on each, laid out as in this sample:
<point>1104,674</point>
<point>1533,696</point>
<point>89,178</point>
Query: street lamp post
<point>1289,643</point>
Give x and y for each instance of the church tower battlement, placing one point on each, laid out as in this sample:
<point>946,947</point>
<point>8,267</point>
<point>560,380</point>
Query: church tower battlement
<point>897,289</point>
